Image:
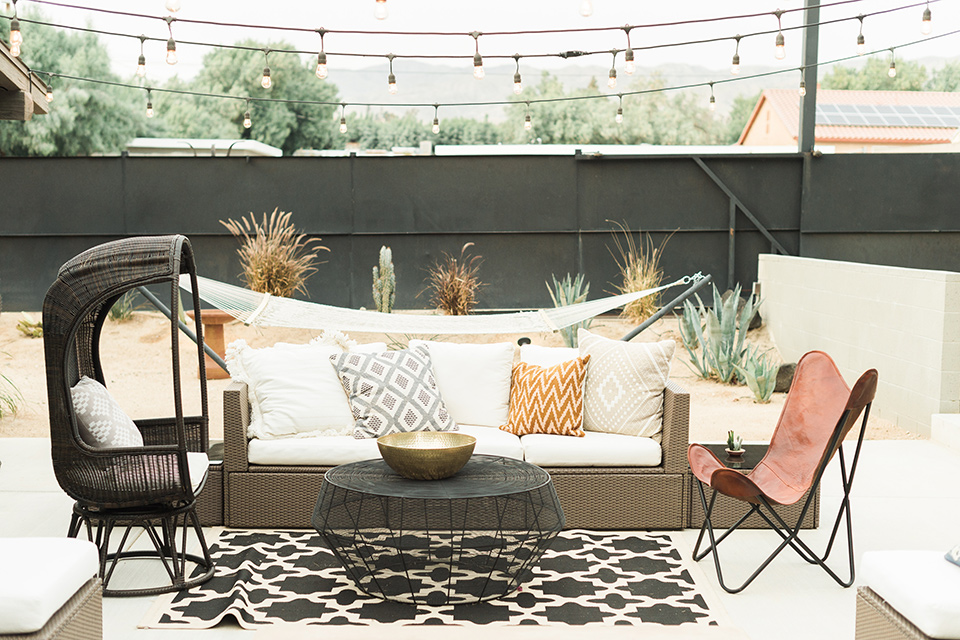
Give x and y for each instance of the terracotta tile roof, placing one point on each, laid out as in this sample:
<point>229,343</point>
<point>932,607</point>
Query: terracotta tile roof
<point>786,104</point>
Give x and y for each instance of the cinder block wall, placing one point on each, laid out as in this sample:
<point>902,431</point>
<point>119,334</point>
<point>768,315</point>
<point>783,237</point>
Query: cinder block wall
<point>903,322</point>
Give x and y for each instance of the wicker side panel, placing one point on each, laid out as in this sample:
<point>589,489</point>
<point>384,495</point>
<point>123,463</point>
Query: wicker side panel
<point>80,618</point>
<point>727,511</point>
<point>611,500</point>
<point>210,500</point>
<point>877,620</point>
<point>676,428</point>
<point>272,500</point>
<point>236,418</point>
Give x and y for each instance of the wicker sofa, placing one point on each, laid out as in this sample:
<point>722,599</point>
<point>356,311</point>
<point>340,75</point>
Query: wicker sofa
<point>592,497</point>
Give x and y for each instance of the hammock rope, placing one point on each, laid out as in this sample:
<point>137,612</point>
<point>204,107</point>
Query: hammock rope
<point>262,309</point>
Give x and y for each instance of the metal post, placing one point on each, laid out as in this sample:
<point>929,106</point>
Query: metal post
<point>808,103</point>
<point>667,308</point>
<point>162,308</point>
<point>731,244</point>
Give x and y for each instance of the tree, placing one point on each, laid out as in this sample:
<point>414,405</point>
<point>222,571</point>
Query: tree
<point>946,78</point>
<point>237,72</point>
<point>740,112</point>
<point>84,118</point>
<point>874,76</point>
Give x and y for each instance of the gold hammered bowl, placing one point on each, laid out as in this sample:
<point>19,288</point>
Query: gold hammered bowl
<point>426,455</point>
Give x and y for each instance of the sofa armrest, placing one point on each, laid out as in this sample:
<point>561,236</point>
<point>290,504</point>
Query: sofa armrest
<point>676,428</point>
<point>236,419</point>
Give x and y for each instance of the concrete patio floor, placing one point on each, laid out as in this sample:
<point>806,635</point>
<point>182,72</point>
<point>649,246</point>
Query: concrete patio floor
<point>906,496</point>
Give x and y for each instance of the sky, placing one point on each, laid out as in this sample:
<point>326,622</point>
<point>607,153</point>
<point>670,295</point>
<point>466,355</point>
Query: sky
<point>881,32</point>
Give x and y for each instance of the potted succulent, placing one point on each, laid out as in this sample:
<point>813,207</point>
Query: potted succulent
<point>734,445</point>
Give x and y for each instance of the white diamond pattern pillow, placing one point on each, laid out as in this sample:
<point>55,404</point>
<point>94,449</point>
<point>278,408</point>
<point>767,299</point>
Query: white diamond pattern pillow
<point>623,391</point>
<point>101,421</point>
<point>391,392</point>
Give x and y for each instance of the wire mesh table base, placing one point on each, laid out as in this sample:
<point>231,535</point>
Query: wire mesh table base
<point>468,538</point>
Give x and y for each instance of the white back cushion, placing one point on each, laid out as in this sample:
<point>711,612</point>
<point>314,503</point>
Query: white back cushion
<point>547,356</point>
<point>474,380</point>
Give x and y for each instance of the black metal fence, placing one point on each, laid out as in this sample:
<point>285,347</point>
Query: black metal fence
<point>528,216</point>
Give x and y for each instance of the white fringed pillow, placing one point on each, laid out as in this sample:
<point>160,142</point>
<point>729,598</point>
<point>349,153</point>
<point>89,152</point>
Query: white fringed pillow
<point>100,420</point>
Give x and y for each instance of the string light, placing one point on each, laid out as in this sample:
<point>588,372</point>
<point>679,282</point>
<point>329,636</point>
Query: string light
<point>49,95</point>
<point>926,26</point>
<point>247,121</point>
<point>780,51</point>
<point>527,122</point>
<point>343,118</point>
<point>713,101</point>
<point>478,72</point>
<point>391,79</point>
<point>266,81</point>
<point>803,86</point>
<point>892,71</point>
<point>171,43</point>
<point>517,81</point>
<point>586,8</point>
<point>735,64</point>
<point>380,10</point>
<point>612,78</point>
<point>321,57</point>
<point>629,65</point>
<point>619,117</point>
<point>172,5</point>
<point>436,118</point>
<point>142,60</point>
<point>16,37</point>
<point>149,105</point>
<point>861,43</point>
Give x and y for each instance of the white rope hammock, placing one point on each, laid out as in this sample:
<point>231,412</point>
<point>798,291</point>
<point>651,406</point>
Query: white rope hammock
<point>263,309</point>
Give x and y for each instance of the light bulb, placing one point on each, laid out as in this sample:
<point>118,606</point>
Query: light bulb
<point>861,45</point>
<point>735,65</point>
<point>343,124</point>
<point>172,5</point>
<point>15,49</point>
<point>16,37</point>
<point>380,11</point>
<point>586,8</point>
<point>612,79</point>
<point>49,95</point>
<point>321,65</point>
<point>517,84</point>
<point>392,84</point>
<point>527,123</point>
<point>780,52</point>
<point>629,65</point>
<point>265,81</point>
<point>149,109</point>
<point>478,66</point>
<point>619,117</point>
<point>713,103</point>
<point>171,51</point>
<point>436,125</point>
<point>926,27</point>
<point>892,71</point>
<point>247,122</point>
<point>803,89</point>
<point>141,66</point>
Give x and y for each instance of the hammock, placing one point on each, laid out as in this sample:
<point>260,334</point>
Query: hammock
<point>263,309</point>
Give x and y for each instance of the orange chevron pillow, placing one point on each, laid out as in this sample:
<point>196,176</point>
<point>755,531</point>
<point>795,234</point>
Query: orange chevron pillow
<point>547,399</point>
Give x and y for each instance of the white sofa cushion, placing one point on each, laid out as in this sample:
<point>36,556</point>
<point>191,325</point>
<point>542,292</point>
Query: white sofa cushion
<point>547,356</point>
<point>921,585</point>
<point>474,379</point>
<point>293,390</point>
<point>39,576</point>
<point>328,452</point>
<point>595,449</point>
<point>623,392</point>
<point>100,420</point>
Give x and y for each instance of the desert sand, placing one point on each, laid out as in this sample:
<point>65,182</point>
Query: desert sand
<point>136,363</point>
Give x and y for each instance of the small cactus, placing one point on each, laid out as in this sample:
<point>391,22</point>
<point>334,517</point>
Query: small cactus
<point>384,282</point>
<point>734,442</point>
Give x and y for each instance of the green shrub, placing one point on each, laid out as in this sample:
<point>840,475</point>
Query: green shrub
<point>719,334</point>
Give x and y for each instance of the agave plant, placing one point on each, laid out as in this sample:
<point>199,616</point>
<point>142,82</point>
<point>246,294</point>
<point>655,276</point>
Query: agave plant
<point>719,332</point>
<point>569,291</point>
<point>759,373</point>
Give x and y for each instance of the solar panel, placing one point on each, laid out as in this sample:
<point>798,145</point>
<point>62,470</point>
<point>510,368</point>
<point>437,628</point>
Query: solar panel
<point>868,115</point>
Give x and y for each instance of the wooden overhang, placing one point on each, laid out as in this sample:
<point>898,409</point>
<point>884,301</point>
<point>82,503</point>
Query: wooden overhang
<point>22,93</point>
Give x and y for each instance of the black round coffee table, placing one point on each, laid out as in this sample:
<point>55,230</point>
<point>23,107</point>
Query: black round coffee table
<point>471,537</point>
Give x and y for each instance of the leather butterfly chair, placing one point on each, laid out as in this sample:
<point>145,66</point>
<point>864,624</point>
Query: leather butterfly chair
<point>819,412</point>
<point>148,487</point>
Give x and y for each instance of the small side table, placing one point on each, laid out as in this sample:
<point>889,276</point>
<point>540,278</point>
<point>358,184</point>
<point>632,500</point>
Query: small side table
<point>213,321</point>
<point>727,511</point>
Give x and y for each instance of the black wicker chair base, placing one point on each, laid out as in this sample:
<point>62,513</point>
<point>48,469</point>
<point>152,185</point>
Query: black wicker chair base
<point>162,529</point>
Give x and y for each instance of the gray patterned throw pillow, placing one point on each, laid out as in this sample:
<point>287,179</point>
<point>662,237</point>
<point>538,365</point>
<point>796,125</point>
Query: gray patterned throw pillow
<point>392,391</point>
<point>101,421</point>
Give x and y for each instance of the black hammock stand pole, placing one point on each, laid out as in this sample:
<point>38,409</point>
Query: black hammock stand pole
<point>697,285</point>
<point>183,327</point>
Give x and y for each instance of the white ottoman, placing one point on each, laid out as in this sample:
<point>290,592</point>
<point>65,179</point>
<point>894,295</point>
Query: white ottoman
<point>49,588</point>
<point>908,594</point>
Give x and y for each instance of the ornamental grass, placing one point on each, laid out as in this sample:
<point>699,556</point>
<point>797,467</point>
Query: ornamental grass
<point>453,283</point>
<point>640,270</point>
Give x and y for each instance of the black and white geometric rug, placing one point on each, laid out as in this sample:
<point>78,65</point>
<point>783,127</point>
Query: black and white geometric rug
<point>586,577</point>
